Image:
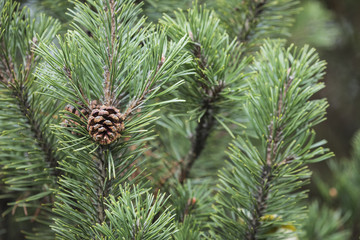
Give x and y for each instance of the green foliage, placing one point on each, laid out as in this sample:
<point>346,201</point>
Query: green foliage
<point>185,80</point>
<point>217,82</point>
<point>192,205</point>
<point>253,21</point>
<point>142,218</point>
<point>260,188</point>
<point>121,64</point>
<point>212,94</point>
<point>324,223</point>
<point>339,191</point>
<point>27,157</point>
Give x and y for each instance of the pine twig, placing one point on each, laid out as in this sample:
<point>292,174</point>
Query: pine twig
<point>273,141</point>
<point>251,20</point>
<point>207,121</point>
<point>42,141</point>
<point>104,182</point>
<point>21,93</point>
<point>107,73</point>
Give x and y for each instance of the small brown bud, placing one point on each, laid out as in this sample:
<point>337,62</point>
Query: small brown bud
<point>191,36</point>
<point>333,192</point>
<point>191,201</point>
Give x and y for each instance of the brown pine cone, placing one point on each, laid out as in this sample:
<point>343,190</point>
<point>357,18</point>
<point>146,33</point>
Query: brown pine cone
<point>105,124</point>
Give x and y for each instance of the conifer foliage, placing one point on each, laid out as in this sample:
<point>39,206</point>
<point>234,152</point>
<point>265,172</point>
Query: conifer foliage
<point>212,91</point>
<point>260,190</point>
<point>126,66</point>
<point>104,130</point>
<point>28,149</point>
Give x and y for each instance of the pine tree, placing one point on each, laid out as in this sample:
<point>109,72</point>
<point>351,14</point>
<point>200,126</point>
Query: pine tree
<point>117,128</point>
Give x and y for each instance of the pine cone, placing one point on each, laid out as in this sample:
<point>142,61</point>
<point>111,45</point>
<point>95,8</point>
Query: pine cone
<point>105,124</point>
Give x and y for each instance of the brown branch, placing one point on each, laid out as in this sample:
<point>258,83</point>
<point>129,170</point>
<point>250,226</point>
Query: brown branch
<point>111,48</point>
<point>273,141</point>
<point>198,141</point>
<point>207,121</point>
<point>113,22</point>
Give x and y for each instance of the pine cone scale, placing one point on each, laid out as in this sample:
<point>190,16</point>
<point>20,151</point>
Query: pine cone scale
<point>108,122</point>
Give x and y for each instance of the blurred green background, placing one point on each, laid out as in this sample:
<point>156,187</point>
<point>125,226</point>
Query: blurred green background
<point>333,28</point>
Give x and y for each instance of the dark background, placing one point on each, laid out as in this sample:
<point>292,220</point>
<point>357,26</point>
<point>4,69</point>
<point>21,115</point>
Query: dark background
<point>333,27</point>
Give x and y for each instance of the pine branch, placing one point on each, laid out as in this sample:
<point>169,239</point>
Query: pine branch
<point>211,94</point>
<point>207,121</point>
<point>273,142</point>
<point>20,85</point>
<point>42,139</point>
<point>260,187</point>
<point>29,158</point>
<point>111,47</point>
<point>250,22</point>
<point>208,101</point>
<point>104,185</point>
<point>104,99</point>
<point>20,90</point>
